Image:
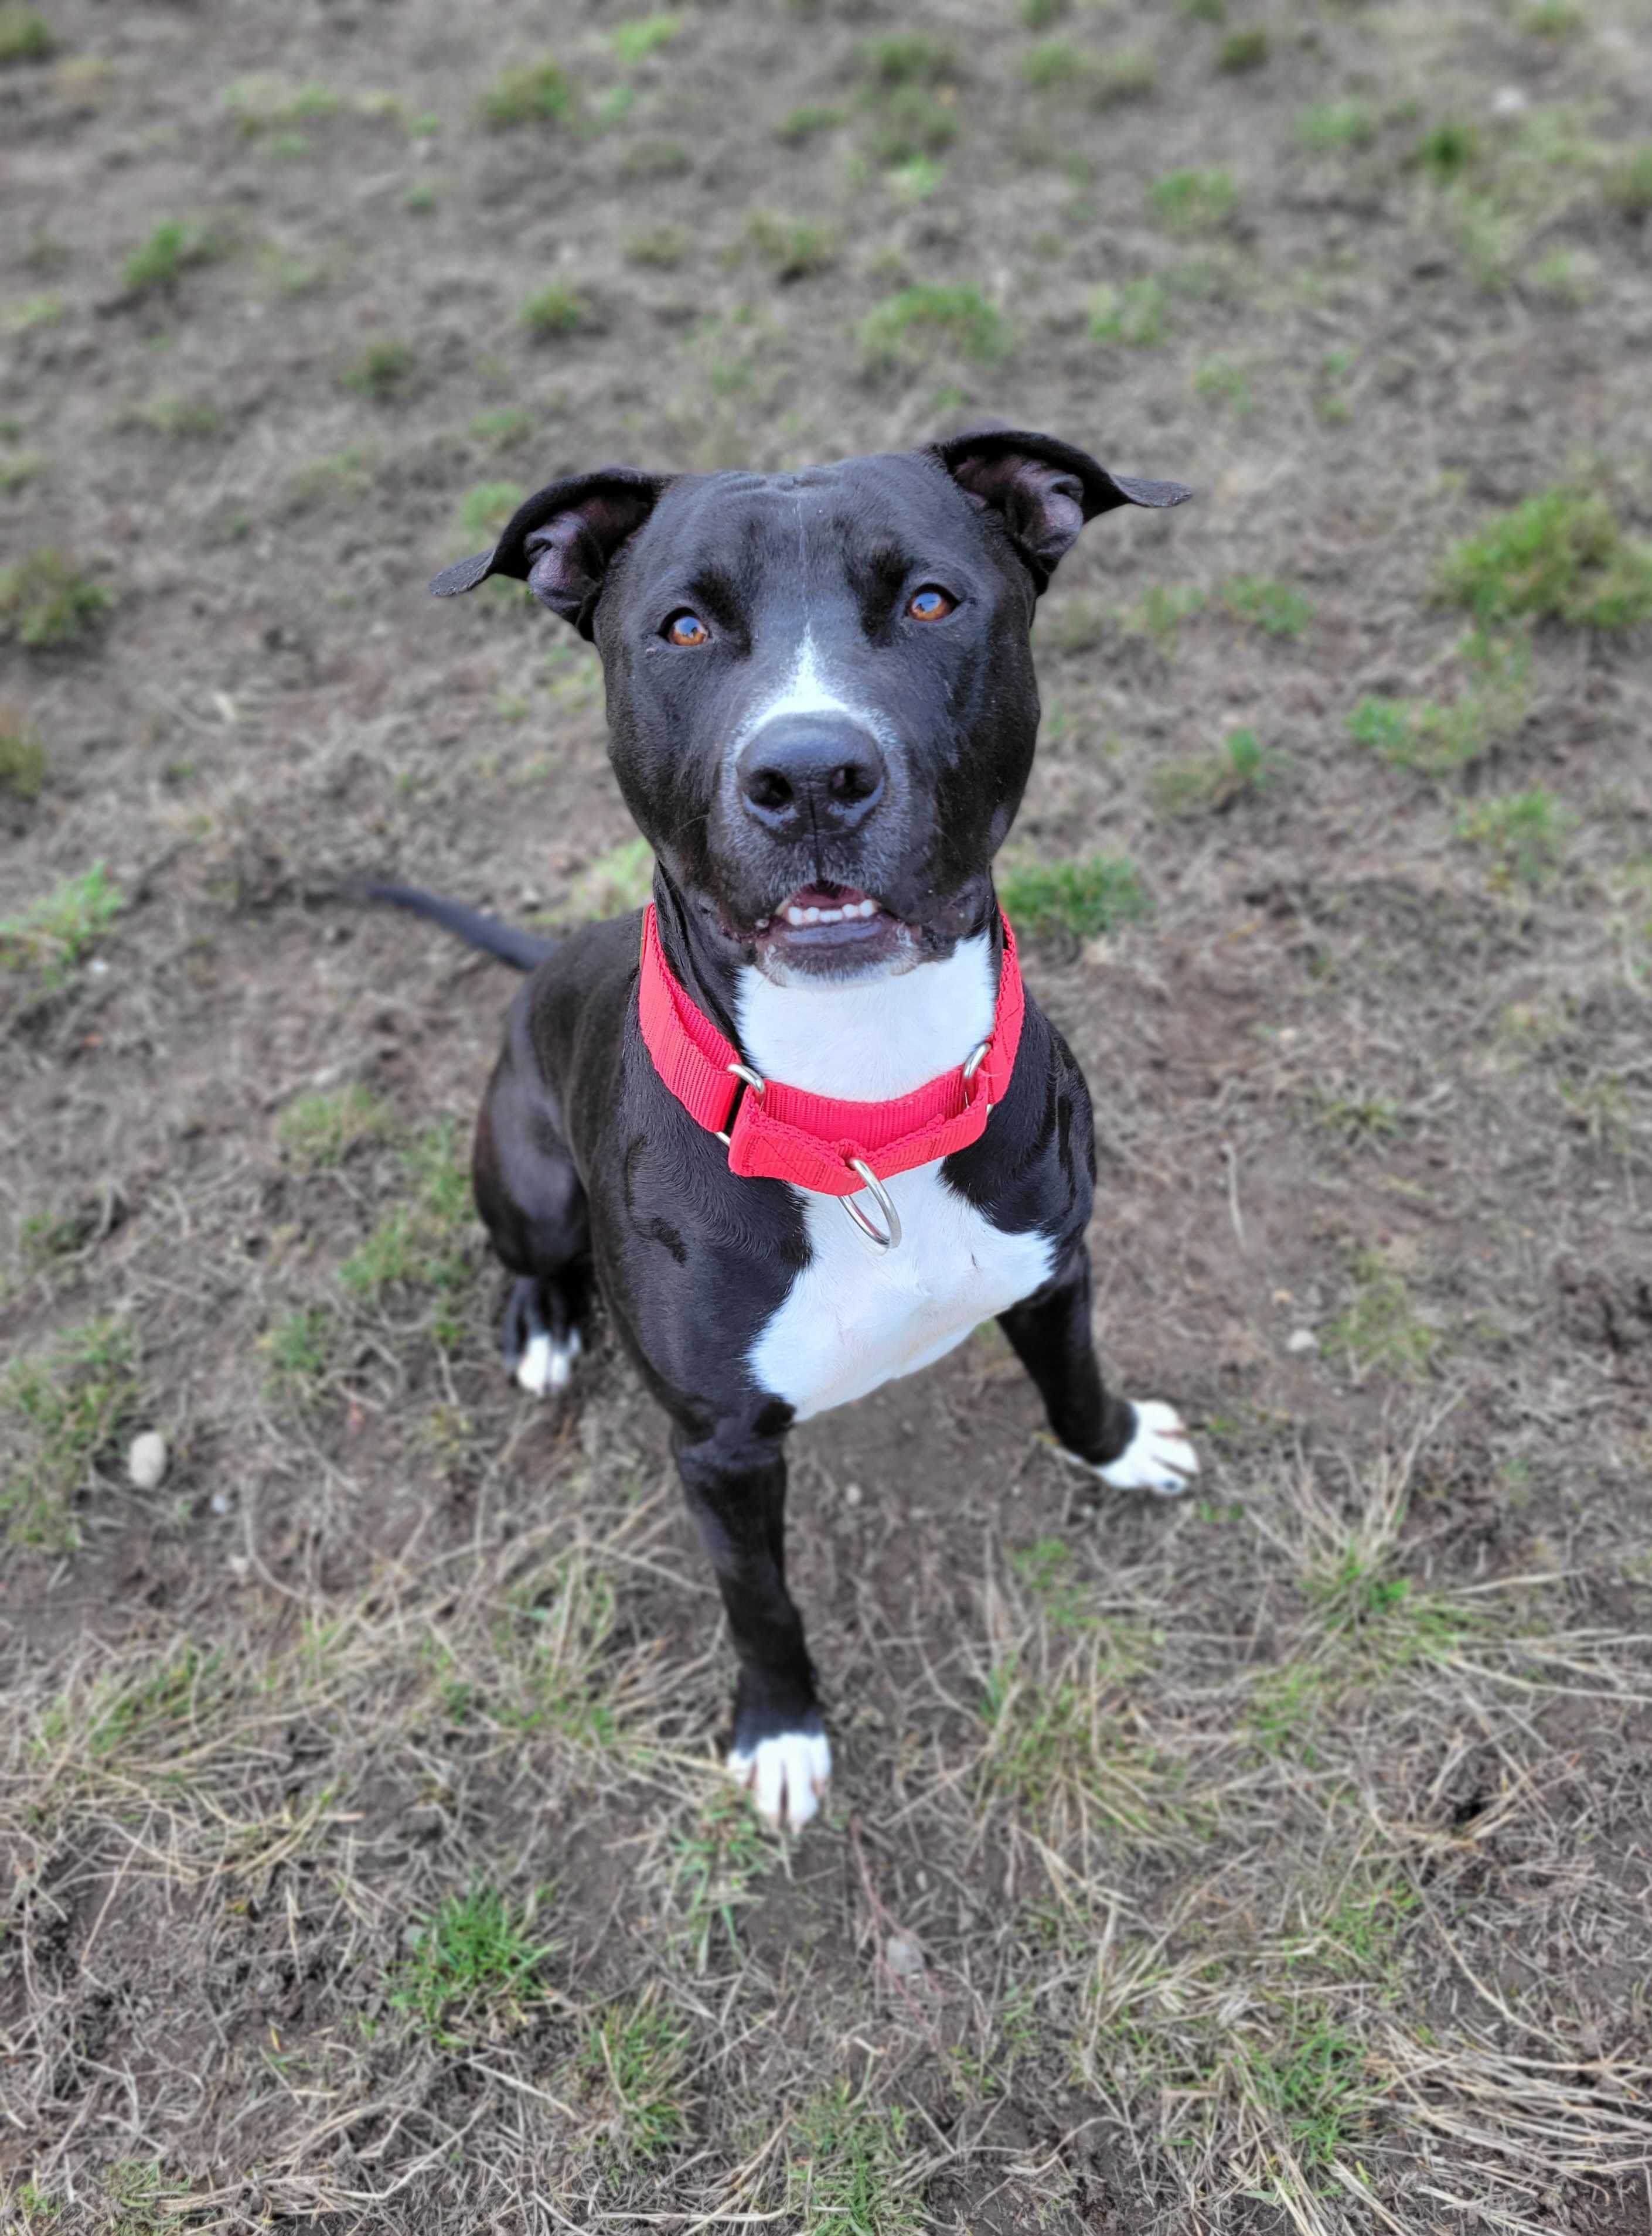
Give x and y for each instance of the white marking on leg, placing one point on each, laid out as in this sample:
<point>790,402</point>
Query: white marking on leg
<point>786,1777</point>
<point>1159,1457</point>
<point>547,1365</point>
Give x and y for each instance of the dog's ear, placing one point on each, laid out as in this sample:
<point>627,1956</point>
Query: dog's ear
<point>1042,489</point>
<point>562,541</point>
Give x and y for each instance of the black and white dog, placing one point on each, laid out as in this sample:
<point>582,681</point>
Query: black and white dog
<point>822,714</point>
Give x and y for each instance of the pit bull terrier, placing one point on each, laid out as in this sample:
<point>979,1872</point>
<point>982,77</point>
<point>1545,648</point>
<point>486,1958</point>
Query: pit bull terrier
<point>798,1119</point>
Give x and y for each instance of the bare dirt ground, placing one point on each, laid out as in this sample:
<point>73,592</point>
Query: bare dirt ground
<point>1278,1860</point>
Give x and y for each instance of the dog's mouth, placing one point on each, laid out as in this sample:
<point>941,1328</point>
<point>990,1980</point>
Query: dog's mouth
<point>824,918</point>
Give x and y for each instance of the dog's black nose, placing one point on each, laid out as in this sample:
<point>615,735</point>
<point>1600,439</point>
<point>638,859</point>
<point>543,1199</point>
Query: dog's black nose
<point>804,772</point>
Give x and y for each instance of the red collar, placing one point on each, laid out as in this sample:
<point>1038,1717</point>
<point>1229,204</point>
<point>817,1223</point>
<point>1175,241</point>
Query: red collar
<point>781,1133</point>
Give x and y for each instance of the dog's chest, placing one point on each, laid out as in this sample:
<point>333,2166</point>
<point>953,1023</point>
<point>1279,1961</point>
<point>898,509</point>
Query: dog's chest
<point>855,1318</point>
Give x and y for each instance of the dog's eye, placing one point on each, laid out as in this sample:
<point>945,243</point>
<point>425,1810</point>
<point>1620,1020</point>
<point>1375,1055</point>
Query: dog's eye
<point>686,628</point>
<point>931,604</point>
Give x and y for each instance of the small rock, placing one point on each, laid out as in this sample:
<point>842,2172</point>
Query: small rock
<point>1509,101</point>
<point>1301,1339</point>
<point>219,1502</point>
<point>852,1494</point>
<point>904,1957</point>
<point>145,1464</point>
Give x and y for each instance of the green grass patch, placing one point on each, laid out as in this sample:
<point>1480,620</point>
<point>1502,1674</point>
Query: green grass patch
<point>845,2174</point>
<point>1448,150</point>
<point>301,1349</point>
<point>792,247</point>
<point>1079,899</point>
<point>908,58</point>
<point>31,311</point>
<point>318,1131</point>
<point>635,2059</point>
<point>64,1410</point>
<point>1273,608</point>
<point>644,35</point>
<point>1227,384</point>
<point>807,122</point>
<point>48,605</point>
<point>1193,201</point>
<point>530,93</point>
<point>1438,738</point>
<point>50,940</point>
<point>1380,1329</point>
<point>176,246</point>
<point>181,419</point>
<point>19,468</point>
<point>504,427</point>
<point>485,511</point>
<point>25,37</point>
<point>1243,51</point>
<point>340,482</point>
<point>567,1621</point>
<point>23,757</point>
<point>387,371</point>
<point>658,247</point>
<point>934,318</point>
<point>1205,784</point>
<point>555,311</point>
<point>615,882</point>
<point>713,1862</point>
<point>1132,313</point>
<point>425,1242</point>
<point>1314,2085</point>
<point>1057,66</point>
<point>1160,610</point>
<point>657,159</point>
<point>1629,186</point>
<point>1561,556</point>
<point>474,1970</point>
<point>1333,126</point>
<point>909,124</point>
<point>1523,831</point>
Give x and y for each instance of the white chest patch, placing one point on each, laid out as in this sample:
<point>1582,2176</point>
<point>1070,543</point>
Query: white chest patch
<point>853,1317</point>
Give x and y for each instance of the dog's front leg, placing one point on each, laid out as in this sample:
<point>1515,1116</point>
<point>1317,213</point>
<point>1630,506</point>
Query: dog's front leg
<point>1142,1447</point>
<point>736,1479</point>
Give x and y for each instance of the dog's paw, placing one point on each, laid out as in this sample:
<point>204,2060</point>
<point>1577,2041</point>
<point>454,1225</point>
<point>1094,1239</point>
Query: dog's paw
<point>547,1364</point>
<point>1159,1457</point>
<point>786,1777</point>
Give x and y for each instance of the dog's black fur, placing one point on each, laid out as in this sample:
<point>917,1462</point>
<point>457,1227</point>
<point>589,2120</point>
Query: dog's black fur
<point>586,1166</point>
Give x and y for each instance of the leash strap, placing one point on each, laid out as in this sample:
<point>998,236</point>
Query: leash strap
<point>781,1133</point>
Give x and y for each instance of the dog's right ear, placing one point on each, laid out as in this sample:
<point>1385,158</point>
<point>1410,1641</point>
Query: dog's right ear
<point>562,541</point>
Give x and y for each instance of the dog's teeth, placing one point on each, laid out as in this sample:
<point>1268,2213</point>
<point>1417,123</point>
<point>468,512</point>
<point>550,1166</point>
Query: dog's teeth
<point>831,916</point>
<point>811,916</point>
<point>794,915</point>
<point>762,925</point>
<point>865,908</point>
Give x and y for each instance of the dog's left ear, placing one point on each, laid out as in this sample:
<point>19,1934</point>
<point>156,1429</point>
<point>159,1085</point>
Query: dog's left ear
<point>1043,491</point>
<point>564,540</point>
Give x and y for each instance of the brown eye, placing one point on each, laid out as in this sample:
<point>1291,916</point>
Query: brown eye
<point>687,629</point>
<point>931,604</point>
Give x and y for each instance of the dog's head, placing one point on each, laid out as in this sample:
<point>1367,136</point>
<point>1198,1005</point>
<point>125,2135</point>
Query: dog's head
<point>820,696</point>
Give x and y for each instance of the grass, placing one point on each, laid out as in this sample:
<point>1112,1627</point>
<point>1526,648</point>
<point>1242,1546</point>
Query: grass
<point>1333,126</point>
<point>425,1242</point>
<point>1243,51</point>
<point>51,939</point>
<point>1628,187</point>
<point>343,481</point>
<point>1273,608</point>
<point>793,248</point>
<point>634,2060</point>
<point>319,1131</point>
<point>1080,899</point>
<point>808,122</point>
<point>555,311</point>
<point>908,124</point>
<point>474,1970</point>
<point>1379,1331</point>
<point>906,58</point>
<point>931,319</point>
<point>504,427</point>
<point>1523,831</point>
<point>63,1411</point>
<point>47,604</point>
<point>1561,556</point>
<point>1163,608</point>
<point>23,757</point>
<point>1190,202</point>
<point>1132,314</point>
<point>530,93</point>
<point>485,509</point>
<point>847,2168</point>
<point>176,246</point>
<point>25,37</point>
<point>1437,739</point>
<point>387,371</point>
<point>644,35</point>
<point>1225,382</point>
<point>714,1861</point>
<point>1205,784</point>
<point>615,882</point>
<point>1100,81</point>
<point>658,247</point>
<point>181,419</point>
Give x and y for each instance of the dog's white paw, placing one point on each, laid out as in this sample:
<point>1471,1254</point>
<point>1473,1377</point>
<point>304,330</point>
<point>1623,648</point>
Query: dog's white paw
<point>1159,1457</point>
<point>546,1364</point>
<point>786,1777</point>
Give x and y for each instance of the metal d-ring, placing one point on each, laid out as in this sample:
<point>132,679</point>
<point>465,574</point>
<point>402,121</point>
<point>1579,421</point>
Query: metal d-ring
<point>752,1079</point>
<point>887,1237</point>
<point>973,1062</point>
